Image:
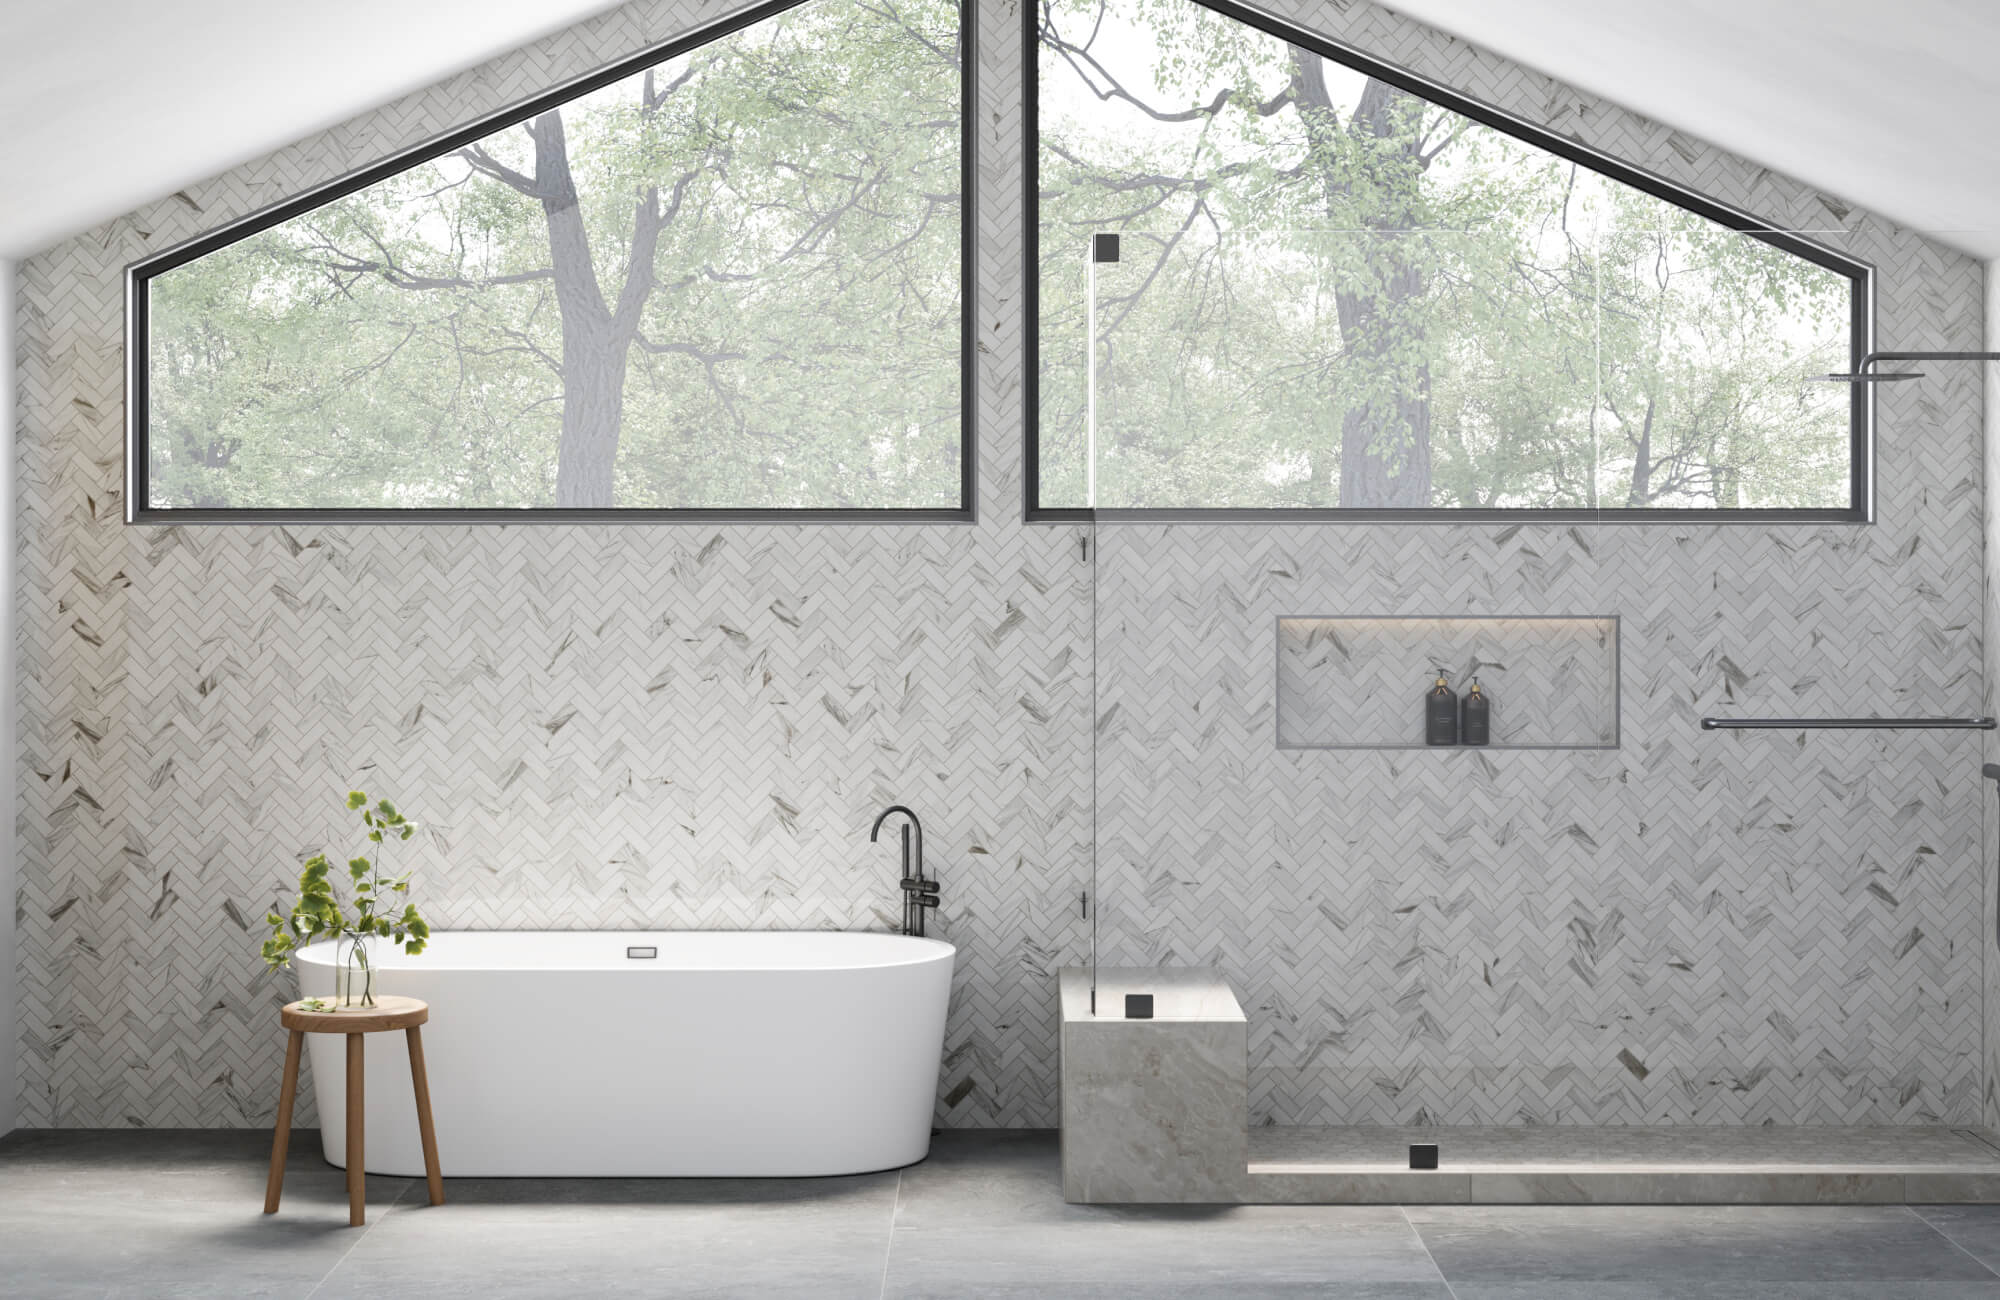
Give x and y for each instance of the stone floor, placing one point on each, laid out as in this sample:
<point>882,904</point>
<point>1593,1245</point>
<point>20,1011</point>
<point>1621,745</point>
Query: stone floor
<point>134,1213</point>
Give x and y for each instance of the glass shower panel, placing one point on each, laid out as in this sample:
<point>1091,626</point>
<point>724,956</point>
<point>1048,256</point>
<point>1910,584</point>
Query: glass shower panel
<point>1230,378</point>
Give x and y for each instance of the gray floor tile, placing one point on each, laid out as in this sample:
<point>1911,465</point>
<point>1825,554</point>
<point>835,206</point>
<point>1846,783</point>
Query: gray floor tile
<point>1763,1290</point>
<point>169,1214</point>
<point>1229,1258</point>
<point>985,1216</point>
<point>178,1214</point>
<point>983,1178</point>
<point>1974,1228</point>
<point>167,1248</point>
<point>628,1237</point>
<point>1688,1245</point>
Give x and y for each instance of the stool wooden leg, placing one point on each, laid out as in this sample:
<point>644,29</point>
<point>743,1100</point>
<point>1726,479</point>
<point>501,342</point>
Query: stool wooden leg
<point>281,1134</point>
<point>420,1080</point>
<point>357,1146</point>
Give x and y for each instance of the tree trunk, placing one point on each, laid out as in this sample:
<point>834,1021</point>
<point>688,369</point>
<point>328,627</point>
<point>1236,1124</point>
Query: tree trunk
<point>1642,462</point>
<point>593,374</point>
<point>593,380</point>
<point>1385,446</point>
<point>597,340</point>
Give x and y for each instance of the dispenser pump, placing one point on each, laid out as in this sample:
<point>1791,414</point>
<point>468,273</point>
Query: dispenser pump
<point>1475,726</point>
<point>1440,713</point>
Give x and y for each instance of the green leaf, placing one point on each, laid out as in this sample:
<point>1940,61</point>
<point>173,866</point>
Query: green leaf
<point>356,799</point>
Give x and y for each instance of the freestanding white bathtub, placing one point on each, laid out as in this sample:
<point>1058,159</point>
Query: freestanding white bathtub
<point>723,1053</point>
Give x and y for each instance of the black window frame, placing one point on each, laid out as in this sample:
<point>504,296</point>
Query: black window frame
<point>1861,422</point>
<point>139,273</point>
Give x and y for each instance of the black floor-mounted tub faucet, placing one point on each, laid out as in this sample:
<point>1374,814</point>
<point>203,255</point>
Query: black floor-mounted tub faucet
<point>919,893</point>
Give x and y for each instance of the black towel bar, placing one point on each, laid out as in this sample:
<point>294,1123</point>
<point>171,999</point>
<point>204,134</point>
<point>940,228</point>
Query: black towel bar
<point>1849,724</point>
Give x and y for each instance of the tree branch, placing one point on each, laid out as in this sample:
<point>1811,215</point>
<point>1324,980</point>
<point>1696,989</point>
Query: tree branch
<point>1078,55</point>
<point>487,165</point>
<point>647,222</point>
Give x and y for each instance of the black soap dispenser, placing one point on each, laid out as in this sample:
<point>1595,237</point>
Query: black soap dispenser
<point>1440,713</point>
<point>1475,725</point>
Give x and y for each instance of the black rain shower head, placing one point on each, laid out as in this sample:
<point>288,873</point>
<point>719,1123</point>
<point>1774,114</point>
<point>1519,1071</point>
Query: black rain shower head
<point>1866,373</point>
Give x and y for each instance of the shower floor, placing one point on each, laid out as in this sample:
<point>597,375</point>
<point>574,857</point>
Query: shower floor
<point>1626,1166</point>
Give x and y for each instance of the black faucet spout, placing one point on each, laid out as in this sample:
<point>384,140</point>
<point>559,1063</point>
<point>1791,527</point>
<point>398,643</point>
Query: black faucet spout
<point>919,893</point>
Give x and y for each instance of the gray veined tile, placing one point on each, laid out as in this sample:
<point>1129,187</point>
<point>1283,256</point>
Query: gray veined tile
<point>1973,1228</point>
<point>985,1216</point>
<point>164,1249</point>
<point>1237,1251</point>
<point>1719,1246</point>
<point>142,1214</point>
<point>617,1238</point>
<point>1668,1288</point>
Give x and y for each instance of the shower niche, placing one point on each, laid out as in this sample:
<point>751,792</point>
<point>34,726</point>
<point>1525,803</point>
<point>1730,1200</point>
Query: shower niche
<point>1356,681</point>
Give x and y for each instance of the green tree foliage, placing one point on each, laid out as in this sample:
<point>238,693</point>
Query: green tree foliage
<point>1332,293</point>
<point>732,281</point>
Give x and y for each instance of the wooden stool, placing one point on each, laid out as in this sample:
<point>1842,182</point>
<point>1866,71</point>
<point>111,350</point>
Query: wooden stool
<point>388,1013</point>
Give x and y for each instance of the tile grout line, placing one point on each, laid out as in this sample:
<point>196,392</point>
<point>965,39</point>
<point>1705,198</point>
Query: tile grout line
<point>1925,1220</point>
<point>352,1246</point>
<point>1418,1233</point>
<point>889,1246</point>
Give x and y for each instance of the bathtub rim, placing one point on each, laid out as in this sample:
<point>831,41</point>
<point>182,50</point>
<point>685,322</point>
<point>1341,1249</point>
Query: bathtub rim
<point>926,950</point>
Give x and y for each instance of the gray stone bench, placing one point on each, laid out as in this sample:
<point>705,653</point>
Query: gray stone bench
<point>1153,1110</point>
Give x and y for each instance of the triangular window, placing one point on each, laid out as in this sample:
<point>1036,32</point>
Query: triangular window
<point>723,277</point>
<point>1334,288</point>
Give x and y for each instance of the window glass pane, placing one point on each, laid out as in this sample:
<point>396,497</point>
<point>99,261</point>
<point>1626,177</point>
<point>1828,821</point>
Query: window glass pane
<point>1706,336</point>
<point>1331,293</point>
<point>731,281</point>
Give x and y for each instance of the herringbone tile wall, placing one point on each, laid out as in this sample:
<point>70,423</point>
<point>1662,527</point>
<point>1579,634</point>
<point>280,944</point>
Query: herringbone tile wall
<point>625,726</point>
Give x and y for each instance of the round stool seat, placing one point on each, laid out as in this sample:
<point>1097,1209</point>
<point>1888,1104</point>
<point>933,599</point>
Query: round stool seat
<point>387,1013</point>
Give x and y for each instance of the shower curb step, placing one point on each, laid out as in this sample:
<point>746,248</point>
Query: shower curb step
<point>1625,1166</point>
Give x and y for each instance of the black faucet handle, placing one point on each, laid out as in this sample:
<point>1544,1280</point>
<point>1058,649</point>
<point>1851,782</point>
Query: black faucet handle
<point>926,889</point>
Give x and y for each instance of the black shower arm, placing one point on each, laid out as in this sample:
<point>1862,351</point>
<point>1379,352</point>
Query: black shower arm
<point>1873,357</point>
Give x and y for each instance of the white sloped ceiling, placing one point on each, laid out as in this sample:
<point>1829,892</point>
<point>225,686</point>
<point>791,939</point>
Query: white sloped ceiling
<point>106,104</point>
<point>1893,106</point>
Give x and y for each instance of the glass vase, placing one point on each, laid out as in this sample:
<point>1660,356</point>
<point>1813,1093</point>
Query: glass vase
<point>354,977</point>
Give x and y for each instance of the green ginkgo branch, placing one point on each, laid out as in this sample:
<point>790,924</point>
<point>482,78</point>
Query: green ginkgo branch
<point>318,915</point>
